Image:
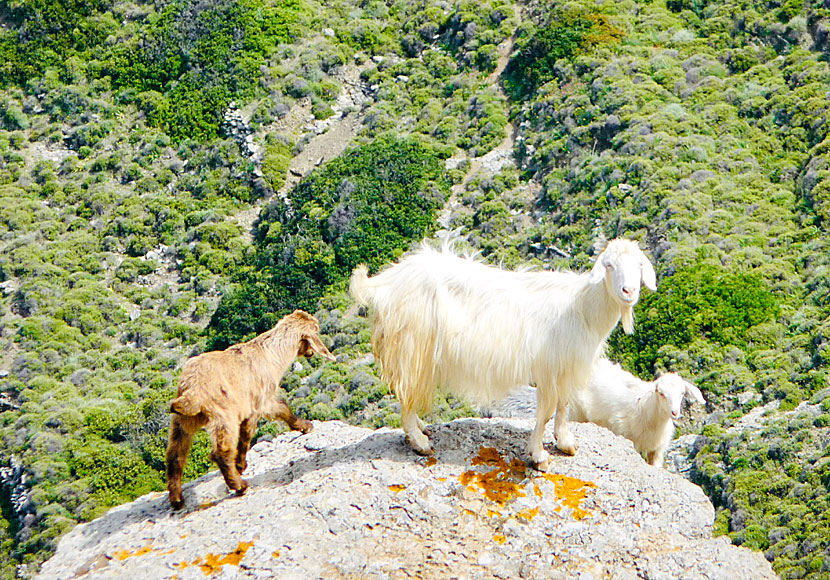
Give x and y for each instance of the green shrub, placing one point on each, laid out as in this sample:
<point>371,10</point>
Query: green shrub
<point>699,302</point>
<point>567,32</point>
<point>275,163</point>
<point>195,58</point>
<point>365,206</point>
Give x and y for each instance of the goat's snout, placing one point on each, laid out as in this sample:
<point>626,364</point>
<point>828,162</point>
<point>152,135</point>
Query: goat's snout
<point>629,292</point>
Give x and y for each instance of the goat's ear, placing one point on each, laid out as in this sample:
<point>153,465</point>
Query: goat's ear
<point>317,346</point>
<point>693,393</point>
<point>598,271</point>
<point>648,274</point>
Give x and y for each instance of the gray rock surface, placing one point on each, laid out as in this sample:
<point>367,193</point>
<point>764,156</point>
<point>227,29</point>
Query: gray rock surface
<point>347,502</point>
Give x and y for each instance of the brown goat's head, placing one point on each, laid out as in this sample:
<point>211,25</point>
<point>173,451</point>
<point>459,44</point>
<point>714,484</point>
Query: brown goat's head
<point>309,330</point>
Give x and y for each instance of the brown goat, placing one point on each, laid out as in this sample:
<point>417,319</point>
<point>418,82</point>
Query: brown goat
<point>227,392</point>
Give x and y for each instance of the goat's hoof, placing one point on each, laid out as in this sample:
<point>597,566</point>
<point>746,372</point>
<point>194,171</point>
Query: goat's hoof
<point>567,449</point>
<point>540,461</point>
<point>425,452</point>
<point>542,466</point>
<point>174,496</point>
<point>420,449</point>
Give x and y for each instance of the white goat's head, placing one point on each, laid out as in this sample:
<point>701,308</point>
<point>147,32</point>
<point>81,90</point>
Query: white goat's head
<point>671,388</point>
<point>624,266</point>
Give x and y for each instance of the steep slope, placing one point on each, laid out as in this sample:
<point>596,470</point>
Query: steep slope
<point>139,142</point>
<point>129,184</point>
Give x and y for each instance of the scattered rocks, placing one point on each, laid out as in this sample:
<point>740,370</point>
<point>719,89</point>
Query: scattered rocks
<point>237,128</point>
<point>14,479</point>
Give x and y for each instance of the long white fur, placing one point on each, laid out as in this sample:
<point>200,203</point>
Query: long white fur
<point>440,319</point>
<point>641,411</point>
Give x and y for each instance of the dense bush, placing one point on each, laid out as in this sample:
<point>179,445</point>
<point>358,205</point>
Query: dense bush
<point>566,33</point>
<point>195,58</point>
<point>47,33</point>
<point>366,206</point>
<point>182,66</point>
<point>698,303</point>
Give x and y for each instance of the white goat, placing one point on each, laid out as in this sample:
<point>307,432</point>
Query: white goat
<point>641,411</point>
<point>444,320</point>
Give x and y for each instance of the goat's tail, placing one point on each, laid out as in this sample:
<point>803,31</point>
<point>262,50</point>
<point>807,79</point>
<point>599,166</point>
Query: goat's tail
<point>185,405</point>
<point>359,285</point>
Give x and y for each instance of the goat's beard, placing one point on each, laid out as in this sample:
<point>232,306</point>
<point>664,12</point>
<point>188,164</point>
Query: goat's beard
<point>628,319</point>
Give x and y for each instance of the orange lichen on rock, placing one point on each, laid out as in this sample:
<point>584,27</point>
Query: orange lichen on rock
<point>504,482</point>
<point>488,456</point>
<point>500,484</point>
<point>275,554</point>
<point>528,514</point>
<point>571,492</point>
<point>397,487</point>
<point>499,539</point>
<point>124,554</point>
<point>431,461</point>
<point>213,562</point>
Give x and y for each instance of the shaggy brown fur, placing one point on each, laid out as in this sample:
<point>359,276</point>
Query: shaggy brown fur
<point>227,392</point>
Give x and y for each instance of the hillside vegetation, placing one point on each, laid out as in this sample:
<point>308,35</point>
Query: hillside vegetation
<point>698,128</point>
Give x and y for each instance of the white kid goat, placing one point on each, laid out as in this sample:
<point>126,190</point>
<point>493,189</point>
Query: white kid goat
<point>480,331</point>
<point>641,411</point>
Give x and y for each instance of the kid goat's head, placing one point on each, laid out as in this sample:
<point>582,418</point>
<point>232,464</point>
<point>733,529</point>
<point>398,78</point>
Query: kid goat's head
<point>671,389</point>
<point>309,334</point>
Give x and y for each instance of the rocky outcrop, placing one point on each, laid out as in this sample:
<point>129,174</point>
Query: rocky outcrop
<point>237,128</point>
<point>347,502</point>
<point>14,489</point>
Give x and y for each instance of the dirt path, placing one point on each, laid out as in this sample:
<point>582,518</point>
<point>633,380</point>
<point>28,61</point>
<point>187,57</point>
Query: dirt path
<point>502,154</point>
<point>332,136</point>
<point>326,139</point>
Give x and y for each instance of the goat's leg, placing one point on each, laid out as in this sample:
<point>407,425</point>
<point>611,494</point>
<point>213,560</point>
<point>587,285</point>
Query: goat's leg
<point>565,440</point>
<point>246,432</point>
<point>655,457</point>
<point>283,411</point>
<point>545,405</point>
<point>225,443</point>
<point>178,445</point>
<point>423,426</point>
<point>413,428</point>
